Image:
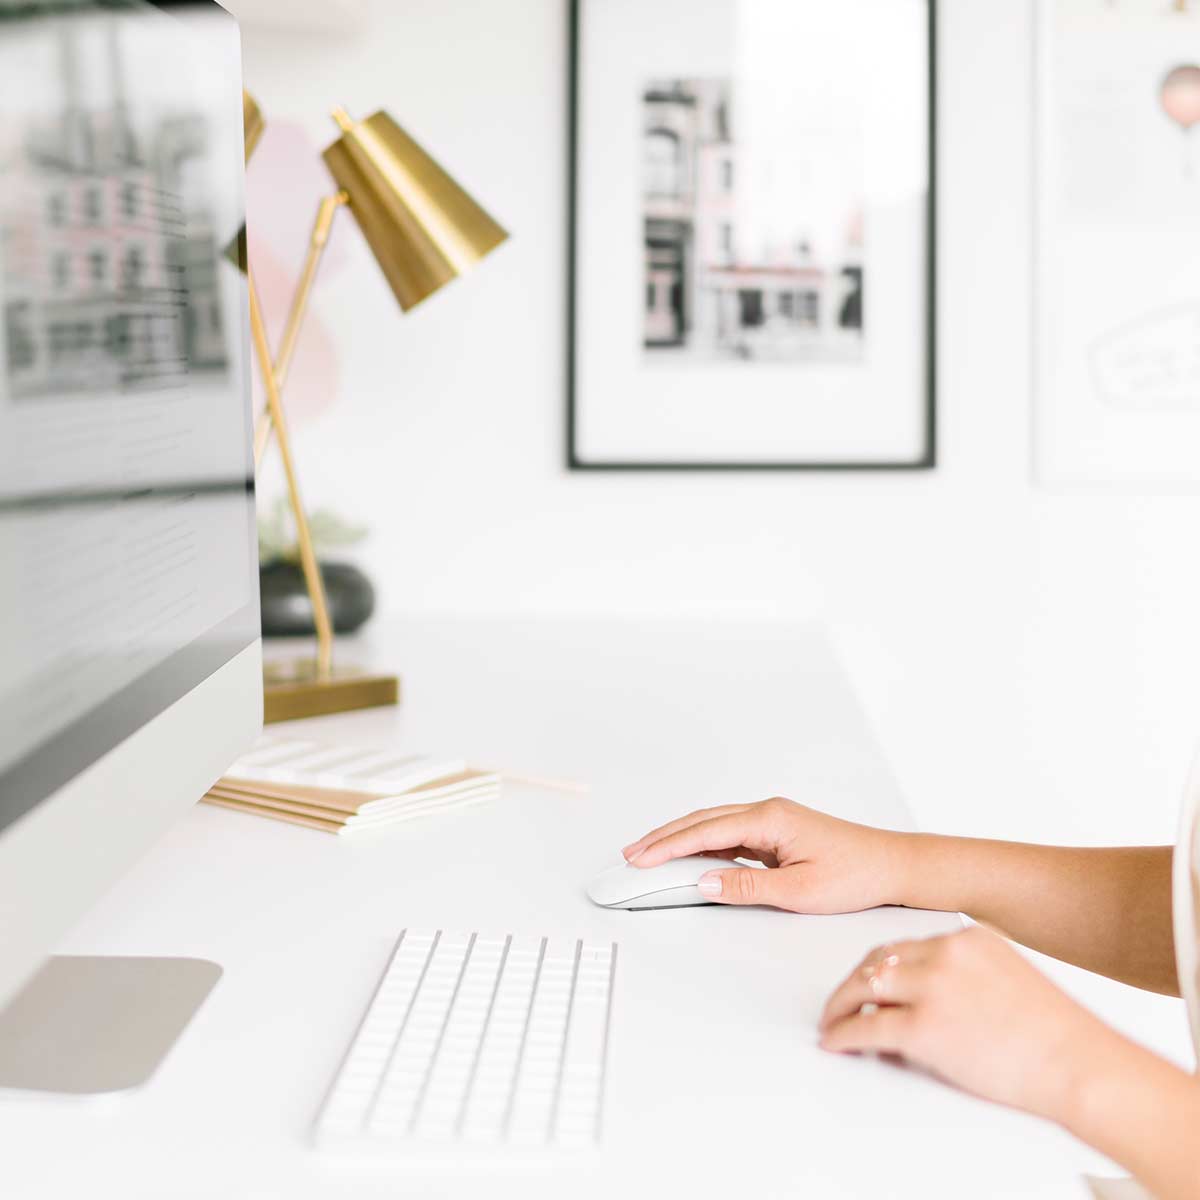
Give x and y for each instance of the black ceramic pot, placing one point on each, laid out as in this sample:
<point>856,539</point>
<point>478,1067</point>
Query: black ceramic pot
<point>287,612</point>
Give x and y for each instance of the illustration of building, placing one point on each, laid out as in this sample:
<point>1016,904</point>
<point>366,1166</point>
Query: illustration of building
<point>673,113</point>
<point>710,283</point>
<point>107,282</point>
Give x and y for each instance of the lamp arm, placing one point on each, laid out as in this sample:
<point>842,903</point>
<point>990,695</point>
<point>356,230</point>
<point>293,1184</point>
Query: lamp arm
<point>322,226</point>
<point>308,559</point>
<point>326,212</point>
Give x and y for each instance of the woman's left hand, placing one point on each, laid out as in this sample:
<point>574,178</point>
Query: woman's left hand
<point>970,1008</point>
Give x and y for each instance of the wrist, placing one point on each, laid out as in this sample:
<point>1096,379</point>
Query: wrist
<point>912,870</point>
<point>1104,1081</point>
<point>1081,1078</point>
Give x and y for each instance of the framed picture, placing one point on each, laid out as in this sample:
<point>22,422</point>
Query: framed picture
<point>751,234</point>
<point>1117,254</point>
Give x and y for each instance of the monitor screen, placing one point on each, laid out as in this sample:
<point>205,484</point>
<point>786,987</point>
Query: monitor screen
<point>128,570</point>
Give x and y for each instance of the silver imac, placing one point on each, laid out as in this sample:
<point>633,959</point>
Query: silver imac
<point>130,653</point>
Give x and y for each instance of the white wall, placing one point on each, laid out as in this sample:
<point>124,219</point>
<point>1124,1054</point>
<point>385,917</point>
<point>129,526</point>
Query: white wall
<point>1028,658</point>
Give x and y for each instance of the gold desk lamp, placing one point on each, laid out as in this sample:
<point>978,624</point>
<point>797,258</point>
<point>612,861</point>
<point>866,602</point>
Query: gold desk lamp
<point>424,231</point>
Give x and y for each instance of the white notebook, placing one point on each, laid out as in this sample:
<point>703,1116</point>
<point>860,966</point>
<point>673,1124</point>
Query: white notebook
<point>345,789</point>
<point>340,767</point>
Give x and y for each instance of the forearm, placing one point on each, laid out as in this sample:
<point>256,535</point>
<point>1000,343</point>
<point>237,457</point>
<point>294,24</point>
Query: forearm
<point>1107,910</point>
<point>1142,1112</point>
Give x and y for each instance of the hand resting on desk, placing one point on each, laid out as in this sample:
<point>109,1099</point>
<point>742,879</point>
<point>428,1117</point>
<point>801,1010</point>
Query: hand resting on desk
<point>968,1006</point>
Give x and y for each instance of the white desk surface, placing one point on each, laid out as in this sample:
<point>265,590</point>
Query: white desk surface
<point>715,1081</point>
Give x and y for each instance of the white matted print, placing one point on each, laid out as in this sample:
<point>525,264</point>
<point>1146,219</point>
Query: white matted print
<point>752,233</point>
<point>1117,396</point>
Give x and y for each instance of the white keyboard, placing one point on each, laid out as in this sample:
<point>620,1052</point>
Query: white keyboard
<point>476,1041</point>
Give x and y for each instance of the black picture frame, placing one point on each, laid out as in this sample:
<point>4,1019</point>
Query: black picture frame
<point>926,461</point>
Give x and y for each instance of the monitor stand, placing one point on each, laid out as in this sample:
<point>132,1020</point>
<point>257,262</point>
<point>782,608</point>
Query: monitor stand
<point>88,1025</point>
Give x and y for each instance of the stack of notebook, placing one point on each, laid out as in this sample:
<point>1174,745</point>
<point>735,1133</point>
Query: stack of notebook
<point>342,789</point>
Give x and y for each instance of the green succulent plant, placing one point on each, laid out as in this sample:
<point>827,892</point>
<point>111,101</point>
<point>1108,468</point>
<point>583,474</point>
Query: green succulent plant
<point>277,533</point>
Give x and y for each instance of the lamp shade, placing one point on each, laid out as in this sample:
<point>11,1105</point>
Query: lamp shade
<point>423,229</point>
<point>252,122</point>
<point>253,125</point>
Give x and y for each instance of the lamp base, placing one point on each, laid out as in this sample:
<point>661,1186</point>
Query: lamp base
<point>292,689</point>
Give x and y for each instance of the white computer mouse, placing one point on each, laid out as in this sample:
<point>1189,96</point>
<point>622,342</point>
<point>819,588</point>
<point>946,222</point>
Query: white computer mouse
<point>671,885</point>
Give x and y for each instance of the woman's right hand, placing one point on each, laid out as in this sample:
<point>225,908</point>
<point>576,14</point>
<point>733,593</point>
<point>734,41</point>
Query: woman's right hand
<point>816,863</point>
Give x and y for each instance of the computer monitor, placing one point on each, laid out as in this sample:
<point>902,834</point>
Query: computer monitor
<point>130,654</point>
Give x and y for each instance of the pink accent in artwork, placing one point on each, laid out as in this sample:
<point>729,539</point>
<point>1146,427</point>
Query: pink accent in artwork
<point>1181,96</point>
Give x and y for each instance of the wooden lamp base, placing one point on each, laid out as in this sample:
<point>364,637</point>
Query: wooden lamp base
<point>293,689</point>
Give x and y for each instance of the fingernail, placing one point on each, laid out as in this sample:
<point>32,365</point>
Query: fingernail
<point>626,852</point>
<point>710,884</point>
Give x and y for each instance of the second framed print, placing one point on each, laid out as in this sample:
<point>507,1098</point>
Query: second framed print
<point>1117,263</point>
<point>751,234</point>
